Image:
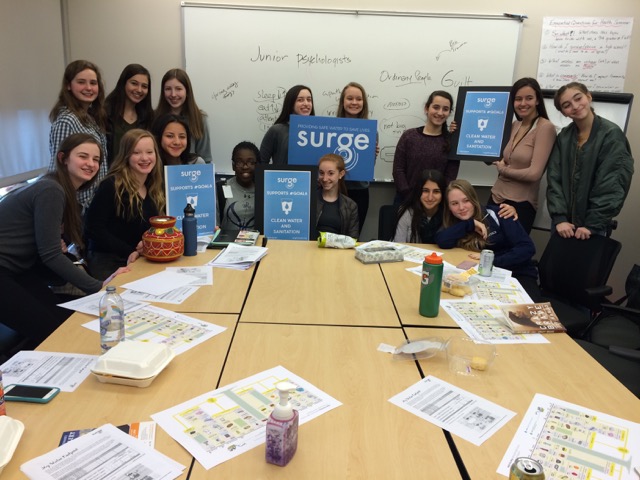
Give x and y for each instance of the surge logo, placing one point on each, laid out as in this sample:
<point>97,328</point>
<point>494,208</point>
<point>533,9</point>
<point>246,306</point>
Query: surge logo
<point>193,175</point>
<point>487,101</point>
<point>347,145</point>
<point>353,139</point>
<point>288,182</point>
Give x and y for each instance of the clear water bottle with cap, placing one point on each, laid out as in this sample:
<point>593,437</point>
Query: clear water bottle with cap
<point>111,319</point>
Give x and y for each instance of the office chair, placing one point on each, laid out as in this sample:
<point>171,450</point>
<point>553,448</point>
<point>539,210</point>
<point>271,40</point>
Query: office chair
<point>573,277</point>
<point>387,222</point>
<point>11,342</point>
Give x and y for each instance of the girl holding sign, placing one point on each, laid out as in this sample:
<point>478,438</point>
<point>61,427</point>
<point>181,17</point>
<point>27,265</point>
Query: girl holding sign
<point>275,144</point>
<point>525,156</point>
<point>353,104</point>
<point>425,147</point>
<point>119,214</point>
<point>177,98</point>
<point>336,213</point>
<point>590,168</point>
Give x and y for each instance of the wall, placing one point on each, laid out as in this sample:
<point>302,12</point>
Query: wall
<point>116,32</point>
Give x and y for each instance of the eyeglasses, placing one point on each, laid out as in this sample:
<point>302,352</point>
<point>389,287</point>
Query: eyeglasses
<point>245,163</point>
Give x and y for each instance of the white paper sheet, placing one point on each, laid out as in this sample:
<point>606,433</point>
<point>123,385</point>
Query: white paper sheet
<point>159,283</point>
<point>209,426</point>
<point>238,257</point>
<point>571,441</point>
<point>201,275</point>
<point>481,320</point>
<point>63,370</point>
<point>460,412</point>
<point>90,304</point>
<point>175,296</point>
<point>157,325</point>
<point>107,453</point>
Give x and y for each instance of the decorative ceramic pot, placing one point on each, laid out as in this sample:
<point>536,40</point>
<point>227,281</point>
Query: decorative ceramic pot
<point>163,242</point>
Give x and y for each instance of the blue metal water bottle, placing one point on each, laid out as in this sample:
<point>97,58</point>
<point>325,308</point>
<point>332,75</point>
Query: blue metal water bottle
<point>190,231</point>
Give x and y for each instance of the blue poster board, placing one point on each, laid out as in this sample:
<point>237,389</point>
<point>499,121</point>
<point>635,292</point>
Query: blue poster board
<point>192,184</point>
<point>354,139</point>
<point>484,116</point>
<point>286,201</point>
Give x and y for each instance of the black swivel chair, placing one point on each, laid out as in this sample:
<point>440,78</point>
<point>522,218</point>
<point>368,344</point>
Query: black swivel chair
<point>614,336</point>
<point>573,277</point>
<point>386,222</point>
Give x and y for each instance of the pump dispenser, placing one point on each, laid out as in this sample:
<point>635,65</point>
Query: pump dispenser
<point>282,428</point>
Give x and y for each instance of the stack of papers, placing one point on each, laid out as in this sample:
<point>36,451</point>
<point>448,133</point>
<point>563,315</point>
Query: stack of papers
<point>238,257</point>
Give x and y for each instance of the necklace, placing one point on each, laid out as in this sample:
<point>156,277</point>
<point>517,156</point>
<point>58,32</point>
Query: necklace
<point>516,140</point>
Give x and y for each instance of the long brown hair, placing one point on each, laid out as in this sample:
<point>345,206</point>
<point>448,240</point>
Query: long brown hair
<point>126,183</point>
<point>189,108</point>
<point>471,241</point>
<point>71,218</point>
<point>96,113</point>
<point>364,113</point>
<point>413,202</point>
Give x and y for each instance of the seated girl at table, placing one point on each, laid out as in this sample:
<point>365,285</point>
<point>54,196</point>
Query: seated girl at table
<point>275,144</point>
<point>467,225</point>
<point>173,136</point>
<point>420,216</point>
<point>335,212</point>
<point>119,214</point>
<point>236,196</point>
<point>31,251</point>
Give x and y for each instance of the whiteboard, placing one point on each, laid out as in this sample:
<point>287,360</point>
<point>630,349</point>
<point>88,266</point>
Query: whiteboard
<point>612,106</point>
<point>242,60</point>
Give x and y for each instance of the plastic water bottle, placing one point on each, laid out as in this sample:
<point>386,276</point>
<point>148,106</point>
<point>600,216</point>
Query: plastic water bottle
<point>190,231</point>
<point>431,286</point>
<point>111,319</point>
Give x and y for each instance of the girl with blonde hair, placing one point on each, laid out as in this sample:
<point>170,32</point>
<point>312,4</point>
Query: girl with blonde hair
<point>119,214</point>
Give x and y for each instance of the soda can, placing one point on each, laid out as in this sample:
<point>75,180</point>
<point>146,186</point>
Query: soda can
<point>3,409</point>
<point>524,468</point>
<point>486,263</point>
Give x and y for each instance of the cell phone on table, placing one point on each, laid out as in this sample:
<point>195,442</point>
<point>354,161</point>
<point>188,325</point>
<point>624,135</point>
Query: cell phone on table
<point>29,393</point>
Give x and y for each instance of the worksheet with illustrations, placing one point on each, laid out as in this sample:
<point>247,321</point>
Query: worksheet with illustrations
<point>460,412</point>
<point>483,320</point>
<point>219,425</point>
<point>157,325</point>
<point>63,370</point>
<point>571,441</point>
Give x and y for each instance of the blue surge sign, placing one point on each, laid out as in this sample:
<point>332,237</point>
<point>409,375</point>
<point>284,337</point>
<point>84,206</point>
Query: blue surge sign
<point>483,124</point>
<point>353,139</point>
<point>287,203</point>
<point>192,184</point>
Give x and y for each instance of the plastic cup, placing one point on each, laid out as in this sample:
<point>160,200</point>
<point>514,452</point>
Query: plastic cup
<point>469,357</point>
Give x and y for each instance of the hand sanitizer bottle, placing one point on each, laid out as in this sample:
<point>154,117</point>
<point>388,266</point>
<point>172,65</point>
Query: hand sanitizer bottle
<point>282,428</point>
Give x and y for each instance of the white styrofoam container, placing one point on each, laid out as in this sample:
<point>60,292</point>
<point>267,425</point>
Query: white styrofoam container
<point>10,434</point>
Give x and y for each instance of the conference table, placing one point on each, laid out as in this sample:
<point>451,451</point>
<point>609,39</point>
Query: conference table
<point>322,314</point>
